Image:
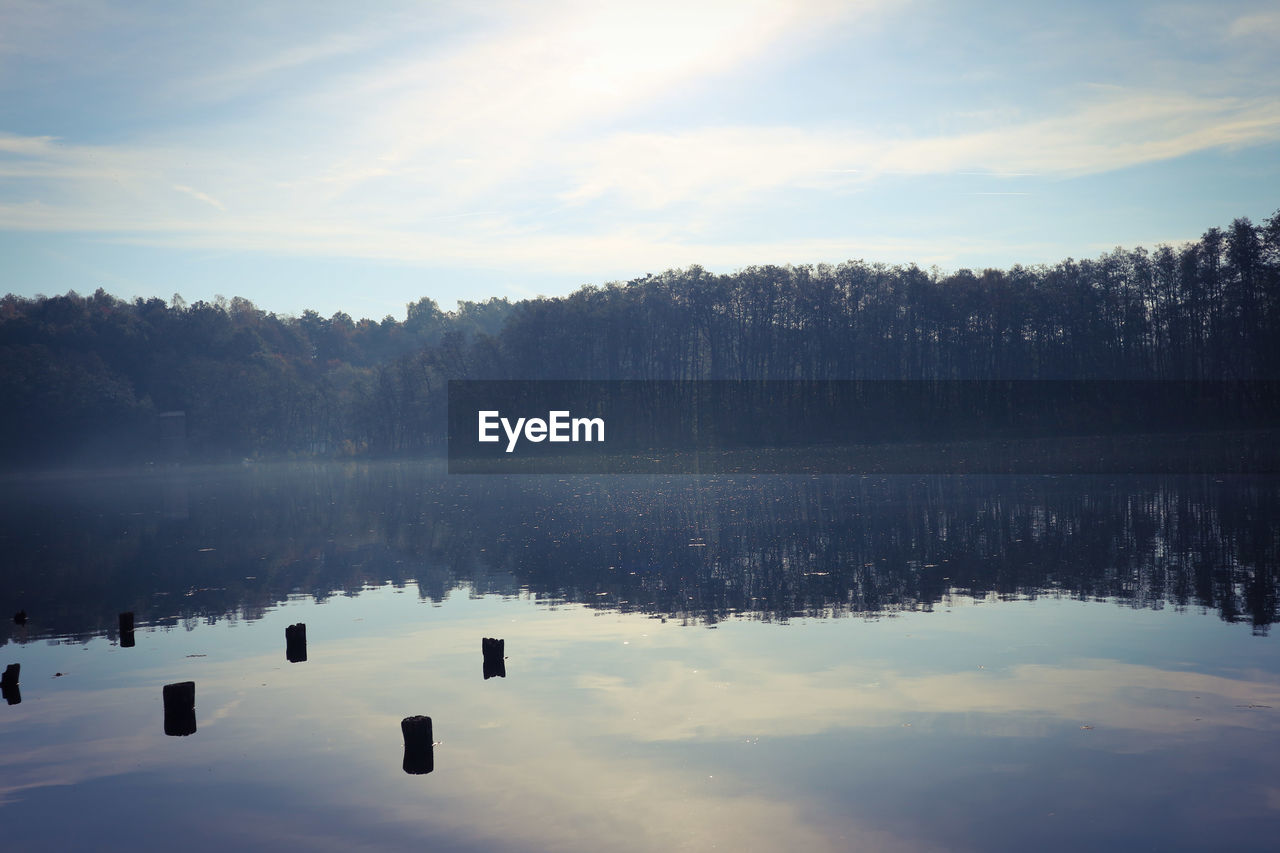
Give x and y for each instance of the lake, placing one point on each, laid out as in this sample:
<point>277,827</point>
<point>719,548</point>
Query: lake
<point>689,662</point>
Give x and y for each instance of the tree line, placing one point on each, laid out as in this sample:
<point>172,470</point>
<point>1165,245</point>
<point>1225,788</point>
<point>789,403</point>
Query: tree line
<point>84,377</point>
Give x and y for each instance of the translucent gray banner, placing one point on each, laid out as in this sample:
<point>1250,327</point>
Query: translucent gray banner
<point>863,427</point>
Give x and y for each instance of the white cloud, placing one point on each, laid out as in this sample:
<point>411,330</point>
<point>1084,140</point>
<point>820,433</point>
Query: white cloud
<point>646,195</point>
<point>535,116</point>
<point>1114,131</point>
<point>1261,25</point>
<point>204,197</point>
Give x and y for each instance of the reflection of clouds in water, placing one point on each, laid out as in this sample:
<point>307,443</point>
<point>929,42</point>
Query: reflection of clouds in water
<point>222,712</point>
<point>63,764</point>
<point>521,763</point>
<point>97,734</point>
<point>526,764</point>
<point>566,751</point>
<point>567,796</point>
<point>749,699</point>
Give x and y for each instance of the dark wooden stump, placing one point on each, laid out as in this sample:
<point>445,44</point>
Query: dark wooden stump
<point>295,642</point>
<point>9,684</point>
<point>419,755</point>
<point>20,618</point>
<point>126,630</point>
<point>495,664</point>
<point>180,709</point>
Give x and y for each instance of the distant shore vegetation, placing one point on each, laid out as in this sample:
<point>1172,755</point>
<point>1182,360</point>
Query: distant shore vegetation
<point>85,379</point>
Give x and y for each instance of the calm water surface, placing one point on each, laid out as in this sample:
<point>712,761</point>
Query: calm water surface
<point>771,663</point>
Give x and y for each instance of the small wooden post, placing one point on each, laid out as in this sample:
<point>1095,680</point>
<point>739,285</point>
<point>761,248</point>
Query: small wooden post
<point>495,665</point>
<point>180,709</point>
<point>20,618</point>
<point>295,642</point>
<point>418,745</point>
<point>126,630</point>
<point>9,684</point>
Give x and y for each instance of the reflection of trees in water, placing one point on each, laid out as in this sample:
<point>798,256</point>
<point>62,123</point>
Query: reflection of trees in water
<point>696,549</point>
<point>775,548</point>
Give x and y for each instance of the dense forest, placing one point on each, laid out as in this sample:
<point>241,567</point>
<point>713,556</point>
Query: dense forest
<point>85,378</point>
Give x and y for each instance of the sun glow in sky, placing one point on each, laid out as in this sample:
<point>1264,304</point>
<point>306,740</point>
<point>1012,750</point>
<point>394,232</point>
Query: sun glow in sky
<point>356,157</point>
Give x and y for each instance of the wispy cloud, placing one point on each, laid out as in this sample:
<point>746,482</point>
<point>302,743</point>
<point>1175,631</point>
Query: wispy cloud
<point>570,133</point>
<point>204,197</point>
<point>1261,25</point>
<point>1114,131</point>
<point>406,206</point>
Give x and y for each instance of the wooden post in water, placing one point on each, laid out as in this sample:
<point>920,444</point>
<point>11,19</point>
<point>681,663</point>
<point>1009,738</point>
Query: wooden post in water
<point>495,665</point>
<point>418,745</point>
<point>180,709</point>
<point>295,642</point>
<point>126,630</point>
<point>9,684</point>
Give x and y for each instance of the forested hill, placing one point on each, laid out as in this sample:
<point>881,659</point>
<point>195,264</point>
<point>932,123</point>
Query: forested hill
<point>83,379</point>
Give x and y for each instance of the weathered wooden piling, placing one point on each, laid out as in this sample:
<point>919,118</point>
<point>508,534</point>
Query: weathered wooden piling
<point>180,709</point>
<point>418,745</point>
<point>126,630</point>
<point>295,642</point>
<point>9,684</point>
<point>20,618</point>
<point>495,664</point>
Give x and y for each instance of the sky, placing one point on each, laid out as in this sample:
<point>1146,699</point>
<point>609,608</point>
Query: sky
<point>358,156</point>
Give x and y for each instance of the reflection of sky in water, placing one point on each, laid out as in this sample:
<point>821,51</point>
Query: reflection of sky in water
<point>1010,725</point>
